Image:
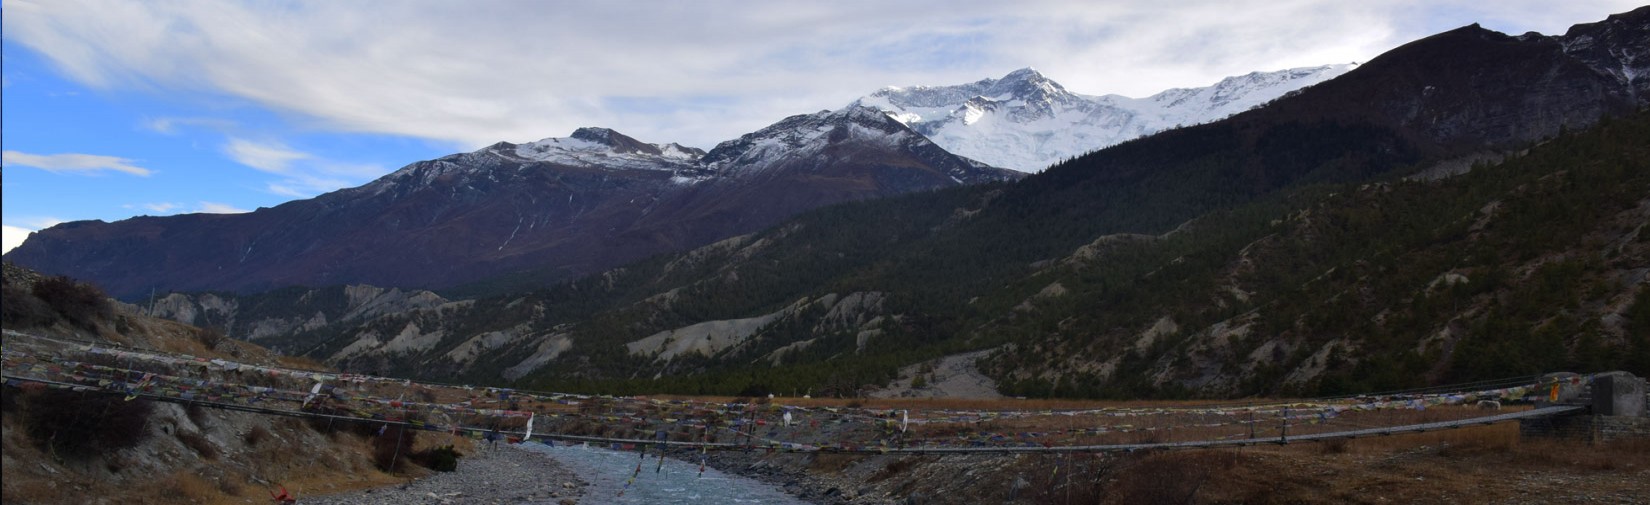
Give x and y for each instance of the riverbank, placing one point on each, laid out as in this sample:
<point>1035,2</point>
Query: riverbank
<point>502,474</point>
<point>1476,465</point>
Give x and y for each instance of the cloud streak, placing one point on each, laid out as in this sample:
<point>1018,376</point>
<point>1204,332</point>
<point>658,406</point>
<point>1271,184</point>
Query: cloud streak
<point>73,163</point>
<point>303,175</point>
<point>167,208</point>
<point>272,157</point>
<point>473,73</point>
<point>219,208</point>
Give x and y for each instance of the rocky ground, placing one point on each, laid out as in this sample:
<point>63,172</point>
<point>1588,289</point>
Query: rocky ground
<point>502,475</point>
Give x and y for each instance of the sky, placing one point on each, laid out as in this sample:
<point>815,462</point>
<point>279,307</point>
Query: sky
<point>115,109</point>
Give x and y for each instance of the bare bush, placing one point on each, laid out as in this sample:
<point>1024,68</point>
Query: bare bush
<point>19,308</point>
<point>256,435</point>
<point>210,337</point>
<point>81,425</point>
<point>391,445</point>
<point>81,304</point>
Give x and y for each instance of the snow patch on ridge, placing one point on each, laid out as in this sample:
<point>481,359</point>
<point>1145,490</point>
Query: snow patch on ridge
<point>1027,122</point>
<point>582,153</point>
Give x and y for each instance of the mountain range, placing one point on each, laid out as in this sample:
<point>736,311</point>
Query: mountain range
<point>560,208</point>
<point>1467,206</point>
<point>1026,122</point>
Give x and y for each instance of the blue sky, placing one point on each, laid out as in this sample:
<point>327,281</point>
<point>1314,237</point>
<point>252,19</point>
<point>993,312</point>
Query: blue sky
<point>116,109</point>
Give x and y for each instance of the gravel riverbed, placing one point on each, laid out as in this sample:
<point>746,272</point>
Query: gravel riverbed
<point>501,475</point>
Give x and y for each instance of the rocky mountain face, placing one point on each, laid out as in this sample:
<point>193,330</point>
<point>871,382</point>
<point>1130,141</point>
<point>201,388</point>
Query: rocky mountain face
<point>560,207</point>
<point>1615,47</point>
<point>1519,88</point>
<point>1026,122</point>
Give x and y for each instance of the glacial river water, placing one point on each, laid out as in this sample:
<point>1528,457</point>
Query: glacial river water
<point>607,471</point>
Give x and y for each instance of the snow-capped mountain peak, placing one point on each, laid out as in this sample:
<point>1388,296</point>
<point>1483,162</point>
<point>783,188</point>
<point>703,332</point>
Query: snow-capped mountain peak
<point>599,147</point>
<point>807,135</point>
<point>1026,83</point>
<point>1026,121</point>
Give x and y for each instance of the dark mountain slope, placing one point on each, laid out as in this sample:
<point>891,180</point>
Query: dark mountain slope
<point>1528,266</point>
<point>560,207</point>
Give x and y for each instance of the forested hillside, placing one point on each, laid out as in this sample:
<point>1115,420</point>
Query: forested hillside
<point>1532,265</point>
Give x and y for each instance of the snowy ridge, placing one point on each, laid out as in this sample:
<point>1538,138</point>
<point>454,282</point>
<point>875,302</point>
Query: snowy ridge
<point>805,141</point>
<point>807,136</point>
<point>1026,121</point>
<point>601,147</point>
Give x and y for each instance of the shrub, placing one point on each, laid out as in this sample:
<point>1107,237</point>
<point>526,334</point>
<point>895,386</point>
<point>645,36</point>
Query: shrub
<point>79,425</point>
<point>19,308</point>
<point>210,337</point>
<point>394,443</point>
<point>440,459</point>
<point>80,303</point>
<point>256,436</point>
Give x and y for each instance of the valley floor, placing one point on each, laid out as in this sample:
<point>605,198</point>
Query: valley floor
<point>490,474</point>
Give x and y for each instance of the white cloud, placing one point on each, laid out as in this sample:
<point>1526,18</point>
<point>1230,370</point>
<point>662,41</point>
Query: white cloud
<point>272,157</point>
<point>303,175</point>
<point>72,163</point>
<point>172,125</point>
<point>306,187</point>
<point>158,207</point>
<point>474,73</point>
<point>219,208</point>
<point>12,237</point>
<point>168,208</point>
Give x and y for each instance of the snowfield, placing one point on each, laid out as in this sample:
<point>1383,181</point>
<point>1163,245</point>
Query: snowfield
<point>1027,122</point>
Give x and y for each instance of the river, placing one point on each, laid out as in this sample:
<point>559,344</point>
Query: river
<point>608,471</point>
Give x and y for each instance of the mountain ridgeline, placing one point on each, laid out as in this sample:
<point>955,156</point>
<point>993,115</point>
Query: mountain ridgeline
<point>1468,206</point>
<point>559,208</point>
<point>1026,122</point>
<point>518,216</point>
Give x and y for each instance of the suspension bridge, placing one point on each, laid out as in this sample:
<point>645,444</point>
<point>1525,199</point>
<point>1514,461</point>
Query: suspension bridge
<point>626,423</point>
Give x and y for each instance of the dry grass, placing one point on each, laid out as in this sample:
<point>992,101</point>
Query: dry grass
<point>1480,464</point>
<point>1171,477</point>
<point>186,487</point>
<point>301,363</point>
